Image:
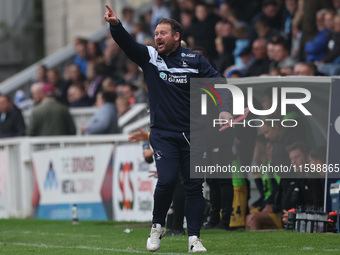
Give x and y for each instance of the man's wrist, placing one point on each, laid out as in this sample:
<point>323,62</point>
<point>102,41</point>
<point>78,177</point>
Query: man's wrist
<point>116,24</point>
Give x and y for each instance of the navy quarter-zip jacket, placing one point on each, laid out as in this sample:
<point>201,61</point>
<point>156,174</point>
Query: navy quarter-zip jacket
<point>168,80</point>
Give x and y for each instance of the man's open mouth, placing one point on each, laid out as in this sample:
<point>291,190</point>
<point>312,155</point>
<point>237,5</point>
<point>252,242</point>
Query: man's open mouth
<point>160,45</point>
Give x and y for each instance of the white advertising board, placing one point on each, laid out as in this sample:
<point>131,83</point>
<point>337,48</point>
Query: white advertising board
<point>72,176</point>
<point>132,187</point>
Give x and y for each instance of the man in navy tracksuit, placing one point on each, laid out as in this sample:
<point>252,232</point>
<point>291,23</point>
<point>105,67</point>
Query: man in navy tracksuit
<point>167,72</point>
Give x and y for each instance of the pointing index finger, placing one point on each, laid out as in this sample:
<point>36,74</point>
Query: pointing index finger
<point>108,8</point>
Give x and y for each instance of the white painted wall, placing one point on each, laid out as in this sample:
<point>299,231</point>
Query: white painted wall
<point>14,16</point>
<point>66,19</point>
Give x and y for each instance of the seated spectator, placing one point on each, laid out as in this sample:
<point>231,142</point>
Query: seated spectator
<point>247,59</point>
<point>150,42</point>
<point>127,90</point>
<point>109,85</point>
<point>73,74</point>
<point>36,92</point>
<point>234,73</point>
<point>187,19</point>
<point>270,12</point>
<point>203,52</point>
<point>274,71</point>
<point>286,71</point>
<point>94,56</point>
<point>104,121</point>
<point>21,101</point>
<point>141,94</point>
<point>224,10</point>
<point>77,97</point>
<point>336,5</point>
<point>329,19</point>
<point>308,25</point>
<point>264,30</point>
<point>127,19</point>
<point>281,56</point>
<point>232,14</point>
<point>100,73</point>
<point>80,59</point>
<point>94,52</point>
<point>114,58</point>
<point>241,43</point>
<point>330,63</point>
<point>262,62</point>
<point>202,29</point>
<point>41,74</point>
<point>224,47</point>
<point>159,10</point>
<point>133,74</point>
<point>270,50</point>
<point>50,117</point>
<point>296,30</point>
<point>123,105</point>
<point>11,121</point>
<point>316,48</point>
<point>224,44</point>
<point>179,6</point>
<point>224,28</point>
<point>54,78</point>
<point>305,69</point>
<point>139,32</point>
<point>289,11</point>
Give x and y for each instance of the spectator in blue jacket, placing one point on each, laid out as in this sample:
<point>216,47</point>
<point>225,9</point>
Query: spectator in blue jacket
<point>316,48</point>
<point>330,63</point>
<point>104,121</point>
<point>80,59</point>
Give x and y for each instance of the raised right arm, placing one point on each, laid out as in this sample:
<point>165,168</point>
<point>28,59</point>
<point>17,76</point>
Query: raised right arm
<point>135,51</point>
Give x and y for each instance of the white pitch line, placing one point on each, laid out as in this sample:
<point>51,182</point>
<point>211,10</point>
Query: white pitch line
<point>83,248</point>
<point>61,234</point>
<point>330,250</point>
<point>307,248</point>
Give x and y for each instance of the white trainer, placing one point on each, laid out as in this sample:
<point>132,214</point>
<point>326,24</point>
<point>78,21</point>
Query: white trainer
<point>196,246</point>
<point>154,241</point>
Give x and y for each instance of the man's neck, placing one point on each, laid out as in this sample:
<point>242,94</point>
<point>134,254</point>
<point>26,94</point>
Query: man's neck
<point>173,50</point>
<point>46,99</point>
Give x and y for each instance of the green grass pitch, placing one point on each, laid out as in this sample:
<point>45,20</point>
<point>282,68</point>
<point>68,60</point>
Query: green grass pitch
<point>98,237</point>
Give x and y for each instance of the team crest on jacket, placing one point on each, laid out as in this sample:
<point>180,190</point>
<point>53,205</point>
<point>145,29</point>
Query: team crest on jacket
<point>184,63</point>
